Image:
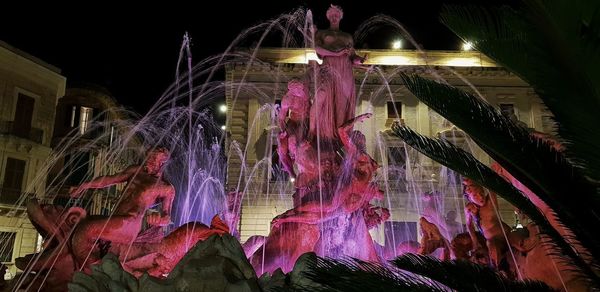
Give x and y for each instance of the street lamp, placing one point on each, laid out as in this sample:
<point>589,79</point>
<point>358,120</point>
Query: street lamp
<point>467,46</point>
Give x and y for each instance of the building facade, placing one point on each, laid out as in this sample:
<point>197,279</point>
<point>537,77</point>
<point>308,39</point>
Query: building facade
<point>29,90</point>
<point>90,140</point>
<point>255,88</point>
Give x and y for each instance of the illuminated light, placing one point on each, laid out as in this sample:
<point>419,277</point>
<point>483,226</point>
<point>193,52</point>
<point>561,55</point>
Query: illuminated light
<point>397,44</point>
<point>462,62</point>
<point>223,127</point>
<point>519,225</point>
<point>292,179</point>
<point>312,56</point>
<point>383,57</point>
<point>386,57</point>
<point>223,108</point>
<point>393,60</point>
<point>467,46</point>
<point>299,57</point>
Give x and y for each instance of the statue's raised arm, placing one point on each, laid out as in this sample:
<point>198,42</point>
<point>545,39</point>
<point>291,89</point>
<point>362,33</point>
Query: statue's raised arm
<point>104,181</point>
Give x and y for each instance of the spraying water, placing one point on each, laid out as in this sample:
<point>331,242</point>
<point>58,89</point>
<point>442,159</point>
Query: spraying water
<point>340,202</point>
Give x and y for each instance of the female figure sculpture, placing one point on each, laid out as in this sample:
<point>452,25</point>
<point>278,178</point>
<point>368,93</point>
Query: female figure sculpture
<point>335,98</point>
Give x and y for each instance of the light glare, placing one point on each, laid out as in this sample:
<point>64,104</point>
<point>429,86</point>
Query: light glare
<point>467,46</point>
<point>223,108</point>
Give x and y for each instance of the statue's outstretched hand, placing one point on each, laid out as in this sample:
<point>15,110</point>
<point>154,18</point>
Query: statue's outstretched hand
<point>76,191</point>
<point>472,209</point>
<point>348,124</point>
<point>279,219</point>
<point>275,222</point>
<point>363,117</point>
<point>156,219</point>
<point>358,60</point>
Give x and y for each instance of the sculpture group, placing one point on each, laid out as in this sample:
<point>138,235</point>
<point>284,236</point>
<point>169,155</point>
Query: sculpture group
<point>332,172</point>
<point>74,241</point>
<point>332,203</point>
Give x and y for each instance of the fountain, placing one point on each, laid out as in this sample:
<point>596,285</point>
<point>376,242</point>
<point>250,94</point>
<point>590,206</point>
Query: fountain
<point>174,210</point>
<point>331,216</point>
<point>333,183</point>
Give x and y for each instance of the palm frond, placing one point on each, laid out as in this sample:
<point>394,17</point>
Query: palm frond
<point>555,47</point>
<point>355,275</point>
<point>533,162</point>
<point>467,165</point>
<point>462,275</point>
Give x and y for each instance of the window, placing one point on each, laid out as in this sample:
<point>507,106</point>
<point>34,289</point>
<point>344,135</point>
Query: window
<point>23,116</point>
<point>73,116</point>
<point>80,116</point>
<point>396,156</point>
<point>7,242</point>
<point>455,136</point>
<point>394,110</point>
<point>508,110</point>
<point>278,110</point>
<point>14,172</point>
<point>77,167</point>
<point>85,119</point>
<point>38,243</point>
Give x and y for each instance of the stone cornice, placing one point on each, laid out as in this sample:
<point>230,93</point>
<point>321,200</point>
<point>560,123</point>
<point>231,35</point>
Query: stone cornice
<point>32,68</point>
<point>384,57</point>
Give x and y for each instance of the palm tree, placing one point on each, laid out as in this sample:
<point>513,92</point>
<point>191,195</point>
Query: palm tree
<point>555,47</point>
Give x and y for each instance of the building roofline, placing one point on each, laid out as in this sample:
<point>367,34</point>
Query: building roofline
<point>384,57</point>
<point>30,57</point>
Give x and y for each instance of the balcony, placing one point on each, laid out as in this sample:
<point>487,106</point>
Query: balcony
<point>33,134</point>
<point>10,197</point>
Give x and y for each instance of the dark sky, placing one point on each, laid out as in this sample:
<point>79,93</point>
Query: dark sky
<point>133,50</point>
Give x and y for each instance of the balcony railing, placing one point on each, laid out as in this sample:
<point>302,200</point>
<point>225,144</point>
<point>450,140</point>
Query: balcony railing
<point>34,134</point>
<point>10,196</point>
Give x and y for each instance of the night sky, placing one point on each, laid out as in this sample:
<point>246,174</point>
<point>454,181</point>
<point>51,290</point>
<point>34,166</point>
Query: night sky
<point>133,50</point>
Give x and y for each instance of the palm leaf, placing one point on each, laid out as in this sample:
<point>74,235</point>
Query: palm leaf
<point>555,47</point>
<point>355,275</point>
<point>534,163</point>
<point>463,275</point>
<point>467,165</point>
<point>414,273</point>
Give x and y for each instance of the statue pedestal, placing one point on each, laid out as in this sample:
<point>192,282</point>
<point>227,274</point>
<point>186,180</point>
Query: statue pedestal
<point>346,236</point>
<point>284,245</point>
